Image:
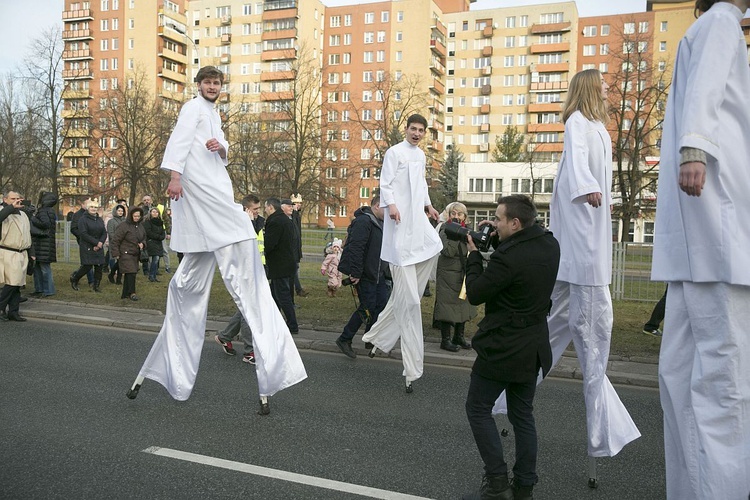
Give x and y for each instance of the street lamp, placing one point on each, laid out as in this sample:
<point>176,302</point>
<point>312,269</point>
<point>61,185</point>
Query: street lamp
<point>184,33</point>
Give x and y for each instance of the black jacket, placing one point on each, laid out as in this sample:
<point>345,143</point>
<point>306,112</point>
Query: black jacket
<point>91,231</point>
<point>513,339</point>
<point>361,254</point>
<point>279,242</point>
<point>155,233</point>
<point>74,223</point>
<point>297,219</point>
<point>45,220</point>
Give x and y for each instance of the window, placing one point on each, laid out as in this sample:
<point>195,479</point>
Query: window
<point>367,96</point>
<point>508,119</point>
<point>346,77</point>
<point>342,211</point>
<point>369,37</point>
<point>643,27</point>
<point>344,134</point>
<point>603,67</point>
<point>508,100</point>
<point>105,24</point>
<point>605,29</point>
<point>364,154</point>
<point>347,38</point>
<point>366,114</point>
<point>510,42</point>
<point>523,80</point>
<point>628,28</point>
<point>365,172</point>
<point>589,31</point>
<point>364,192</point>
<point>589,50</point>
<point>642,47</point>
<point>334,59</point>
<point>369,17</point>
<point>335,21</point>
<point>367,56</point>
<point>604,49</point>
<point>348,20</point>
<point>367,76</point>
<point>385,16</point>
<point>508,81</point>
<point>523,21</point>
<point>508,61</point>
<point>662,65</point>
<point>400,16</point>
<point>330,211</point>
<point>347,58</point>
<point>663,26</point>
<point>105,44</point>
<point>399,36</point>
<point>551,18</point>
<point>381,36</point>
<point>399,56</point>
<point>662,46</point>
<point>334,40</point>
<point>510,22</point>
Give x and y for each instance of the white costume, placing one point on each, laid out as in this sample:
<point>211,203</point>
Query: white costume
<point>213,230</point>
<point>581,302</point>
<point>700,247</point>
<point>411,247</point>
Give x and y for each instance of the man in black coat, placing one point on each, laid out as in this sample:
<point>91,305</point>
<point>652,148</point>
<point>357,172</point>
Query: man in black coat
<point>280,259</point>
<point>512,342</point>
<point>74,229</point>
<point>361,261</point>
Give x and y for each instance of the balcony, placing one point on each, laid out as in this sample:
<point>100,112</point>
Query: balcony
<point>173,56</point>
<point>435,145</point>
<point>278,34</point>
<point>276,96</point>
<point>225,19</point>
<point>74,190</point>
<point>487,51</point>
<point>286,13</point>
<point>546,127</point>
<point>77,35</point>
<point>72,55</point>
<point>487,71</point>
<point>436,106</point>
<point>435,125</point>
<point>438,47</point>
<point>437,86</point>
<point>275,55</point>
<point>484,147</point>
<point>77,74</point>
<point>546,107</point>
<point>552,68</point>
<point>439,27</point>
<point>75,133</point>
<point>75,113</point>
<point>269,76</point>
<point>437,66</point>
<point>548,147</point>
<point>486,89</point>
<point>224,97</point>
<point>76,152</point>
<point>77,15</point>
<point>484,127</point>
<point>75,94</point>
<point>537,29</point>
<point>172,96</point>
<point>175,76</point>
<point>543,48</point>
<point>225,59</point>
<point>226,38</point>
<point>547,86</point>
<point>170,34</point>
<point>485,109</point>
<point>488,31</point>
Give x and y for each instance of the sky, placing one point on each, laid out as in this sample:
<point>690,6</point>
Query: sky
<point>25,20</point>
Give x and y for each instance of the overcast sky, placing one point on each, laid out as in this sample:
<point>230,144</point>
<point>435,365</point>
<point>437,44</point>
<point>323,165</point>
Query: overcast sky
<point>24,20</point>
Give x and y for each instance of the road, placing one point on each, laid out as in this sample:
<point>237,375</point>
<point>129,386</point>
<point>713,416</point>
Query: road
<point>68,431</point>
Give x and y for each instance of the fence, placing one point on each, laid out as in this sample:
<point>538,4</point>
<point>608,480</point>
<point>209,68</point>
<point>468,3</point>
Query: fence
<point>631,262</point>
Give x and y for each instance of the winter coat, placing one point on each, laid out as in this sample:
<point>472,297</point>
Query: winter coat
<point>449,279</point>
<point>124,245</point>
<point>74,223</point>
<point>279,241</point>
<point>45,220</point>
<point>91,231</point>
<point>113,224</point>
<point>361,254</point>
<point>155,233</point>
<point>513,339</point>
<point>297,219</point>
<point>330,267</point>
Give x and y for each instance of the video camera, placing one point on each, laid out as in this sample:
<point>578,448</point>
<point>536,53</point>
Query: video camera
<point>481,238</point>
<point>346,282</point>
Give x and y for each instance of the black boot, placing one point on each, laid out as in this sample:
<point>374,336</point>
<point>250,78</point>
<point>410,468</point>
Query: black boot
<point>74,282</point>
<point>445,332</point>
<point>493,488</point>
<point>111,276</point>
<point>458,337</point>
<point>522,492</point>
<point>96,286</point>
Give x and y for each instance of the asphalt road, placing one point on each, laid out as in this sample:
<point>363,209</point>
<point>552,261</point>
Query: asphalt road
<point>67,430</point>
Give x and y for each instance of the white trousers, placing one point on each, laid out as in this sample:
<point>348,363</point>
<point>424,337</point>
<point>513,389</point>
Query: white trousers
<point>402,317</point>
<point>583,314</point>
<point>175,355</point>
<point>704,382</point>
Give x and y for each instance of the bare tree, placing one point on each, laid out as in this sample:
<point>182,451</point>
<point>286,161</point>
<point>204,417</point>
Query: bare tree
<point>638,93</point>
<point>18,150</point>
<point>131,130</point>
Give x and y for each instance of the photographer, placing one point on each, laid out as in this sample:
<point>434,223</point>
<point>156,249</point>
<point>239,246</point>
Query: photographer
<point>361,261</point>
<point>512,343</point>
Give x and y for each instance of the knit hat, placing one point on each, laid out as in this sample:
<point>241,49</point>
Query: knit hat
<point>337,243</point>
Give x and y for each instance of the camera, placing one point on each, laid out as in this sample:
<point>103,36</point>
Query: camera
<point>456,232</point>
<point>346,282</point>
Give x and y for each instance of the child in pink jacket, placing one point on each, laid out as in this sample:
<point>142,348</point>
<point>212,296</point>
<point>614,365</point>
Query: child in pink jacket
<point>330,266</point>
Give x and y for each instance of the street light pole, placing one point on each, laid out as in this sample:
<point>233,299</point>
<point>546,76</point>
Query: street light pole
<point>184,33</point>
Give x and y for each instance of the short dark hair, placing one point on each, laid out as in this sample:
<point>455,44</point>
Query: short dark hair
<point>704,5</point>
<point>122,201</point>
<point>375,200</point>
<point>275,203</point>
<point>519,206</point>
<point>415,118</point>
<point>250,199</point>
<point>134,210</point>
<point>209,72</point>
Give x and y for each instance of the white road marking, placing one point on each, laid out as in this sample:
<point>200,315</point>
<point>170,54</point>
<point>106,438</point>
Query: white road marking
<point>356,489</point>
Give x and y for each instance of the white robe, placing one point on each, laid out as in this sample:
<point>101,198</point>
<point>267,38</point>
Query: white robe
<point>206,217</point>
<point>402,181</point>
<point>700,247</point>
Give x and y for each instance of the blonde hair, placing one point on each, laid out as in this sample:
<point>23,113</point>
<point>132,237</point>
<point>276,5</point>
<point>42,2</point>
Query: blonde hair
<point>458,207</point>
<point>585,95</point>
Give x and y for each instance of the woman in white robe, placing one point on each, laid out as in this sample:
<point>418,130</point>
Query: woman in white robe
<point>701,245</point>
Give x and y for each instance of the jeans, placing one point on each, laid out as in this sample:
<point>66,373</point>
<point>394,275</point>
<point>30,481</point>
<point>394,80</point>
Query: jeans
<point>44,282</point>
<point>372,300</point>
<point>282,290</point>
<point>165,257</point>
<point>237,324</point>
<point>153,266</point>
<point>482,395</point>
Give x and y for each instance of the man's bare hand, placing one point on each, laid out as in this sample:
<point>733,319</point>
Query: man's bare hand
<point>215,146</point>
<point>393,213</point>
<point>354,280</point>
<point>432,213</point>
<point>174,189</point>
<point>594,199</point>
<point>470,243</point>
<point>692,177</point>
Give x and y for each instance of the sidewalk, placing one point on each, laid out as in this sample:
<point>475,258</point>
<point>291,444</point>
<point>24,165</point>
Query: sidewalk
<point>637,372</point>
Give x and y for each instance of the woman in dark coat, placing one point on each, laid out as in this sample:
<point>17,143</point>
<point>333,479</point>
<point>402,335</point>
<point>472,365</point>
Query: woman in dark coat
<point>118,217</point>
<point>450,310</point>
<point>126,246</point>
<point>43,227</point>
<point>154,235</point>
<point>92,235</point>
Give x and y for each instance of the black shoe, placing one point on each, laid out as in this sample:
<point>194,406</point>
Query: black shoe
<point>409,388</point>
<point>294,332</point>
<point>493,488</point>
<point>111,278</point>
<point>446,345</point>
<point>16,317</point>
<point>36,295</point>
<point>264,408</point>
<point>346,348</point>
<point>133,297</point>
<point>522,492</point>
<point>461,342</point>
<point>302,292</point>
<point>3,317</point>
<point>74,283</point>
<point>23,299</point>
<point>369,346</point>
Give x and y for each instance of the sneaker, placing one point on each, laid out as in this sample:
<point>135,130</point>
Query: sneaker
<point>249,358</point>
<point>227,346</point>
<point>302,292</point>
<point>346,348</point>
<point>653,332</point>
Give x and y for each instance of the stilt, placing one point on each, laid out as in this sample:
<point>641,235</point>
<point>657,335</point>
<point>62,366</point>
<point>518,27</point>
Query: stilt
<point>593,483</point>
<point>264,408</point>
<point>372,352</point>
<point>409,388</point>
<point>133,391</point>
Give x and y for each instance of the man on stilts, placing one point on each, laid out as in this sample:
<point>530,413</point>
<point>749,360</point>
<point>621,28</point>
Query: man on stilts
<point>411,247</point>
<point>200,187</point>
